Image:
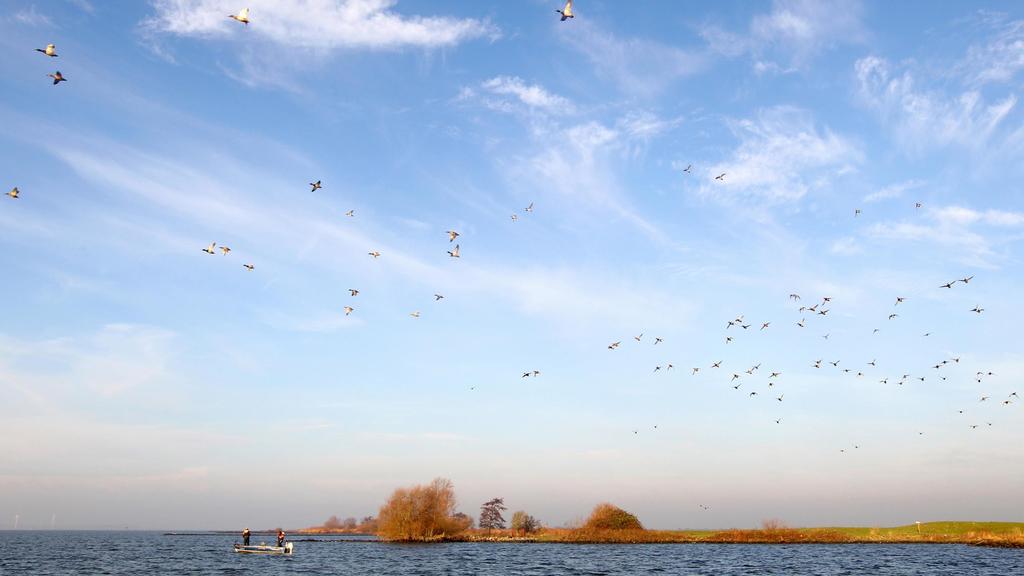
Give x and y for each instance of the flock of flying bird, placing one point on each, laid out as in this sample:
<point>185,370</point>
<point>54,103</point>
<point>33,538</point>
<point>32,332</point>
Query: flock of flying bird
<point>736,379</point>
<point>822,308</point>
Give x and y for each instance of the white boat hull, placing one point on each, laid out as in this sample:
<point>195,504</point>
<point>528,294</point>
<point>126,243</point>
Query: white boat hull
<point>264,549</point>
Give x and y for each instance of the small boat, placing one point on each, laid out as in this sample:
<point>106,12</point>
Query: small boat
<point>264,549</point>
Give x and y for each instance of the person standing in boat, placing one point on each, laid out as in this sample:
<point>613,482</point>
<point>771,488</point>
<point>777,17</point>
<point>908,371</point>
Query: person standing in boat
<point>245,537</point>
<point>280,537</point>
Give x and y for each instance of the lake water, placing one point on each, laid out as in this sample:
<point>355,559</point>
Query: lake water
<point>152,553</point>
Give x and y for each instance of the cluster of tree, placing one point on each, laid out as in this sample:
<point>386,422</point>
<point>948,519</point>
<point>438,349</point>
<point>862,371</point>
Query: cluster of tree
<point>492,519</point>
<point>368,525</point>
<point>524,523</point>
<point>421,513</point>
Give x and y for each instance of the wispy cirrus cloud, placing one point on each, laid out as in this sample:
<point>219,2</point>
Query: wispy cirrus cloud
<point>31,17</point>
<point>997,59</point>
<point>893,190</point>
<point>577,163</point>
<point>791,34</point>
<point>317,24</point>
<point>781,157</point>
<point>512,94</point>
<point>923,118</point>
<point>532,95</point>
<point>970,236</point>
<point>636,65</point>
<point>113,360</point>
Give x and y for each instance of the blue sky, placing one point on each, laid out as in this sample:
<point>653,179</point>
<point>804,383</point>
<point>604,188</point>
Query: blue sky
<point>147,384</point>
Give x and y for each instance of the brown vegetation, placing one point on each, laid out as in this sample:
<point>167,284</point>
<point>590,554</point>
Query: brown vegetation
<point>421,513</point>
<point>610,517</point>
<point>333,525</point>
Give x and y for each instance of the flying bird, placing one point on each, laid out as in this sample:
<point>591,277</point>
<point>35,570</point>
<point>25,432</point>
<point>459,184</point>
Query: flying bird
<point>529,209</point>
<point>50,50</point>
<point>856,212</point>
<point>515,217</point>
<point>794,296</point>
<point>452,235</point>
<point>353,292</point>
<point>720,177</point>
<point>454,253</point>
<point>210,249</point>
<point>14,193</point>
<point>415,314</point>
<point>891,316</point>
<point>717,364</point>
<point>350,213</point>
<point>314,186</point>
<point>657,340</point>
<point>224,250</point>
<point>249,267</point>
<point>688,168</point>
<point>437,297</point>
<point>966,280</point>
<point>242,16</point>
<point>567,11</point>
<point>977,309</point>
<point>375,254</point>
<point>947,284</point>
<point>57,77</point>
<point>765,325</point>
<point>614,345</point>
<point>348,310</point>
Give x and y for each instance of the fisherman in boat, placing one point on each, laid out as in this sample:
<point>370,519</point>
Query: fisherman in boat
<point>245,537</point>
<point>280,538</point>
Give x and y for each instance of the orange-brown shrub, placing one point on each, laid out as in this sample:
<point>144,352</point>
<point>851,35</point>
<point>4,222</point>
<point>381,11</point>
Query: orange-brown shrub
<point>421,513</point>
<point>610,517</point>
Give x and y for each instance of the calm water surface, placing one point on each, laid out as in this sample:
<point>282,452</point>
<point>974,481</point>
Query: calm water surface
<point>152,553</point>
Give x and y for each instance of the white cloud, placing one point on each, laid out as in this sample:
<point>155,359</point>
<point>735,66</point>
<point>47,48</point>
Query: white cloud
<point>317,24</point>
<point>847,246</point>
<point>576,163</point>
<point>29,16</point>
<point>922,118</point>
<point>893,191</point>
<point>997,60</point>
<point>794,31</point>
<point>644,125</point>
<point>531,95</point>
<point>115,359</point>
<point>781,157</point>
<point>636,65</point>
<point>209,195</point>
<point>969,235</point>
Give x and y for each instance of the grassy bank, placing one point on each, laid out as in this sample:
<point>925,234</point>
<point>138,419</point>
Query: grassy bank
<point>1003,534</point>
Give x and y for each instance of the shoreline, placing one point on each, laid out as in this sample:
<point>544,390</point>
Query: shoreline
<point>988,534</point>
